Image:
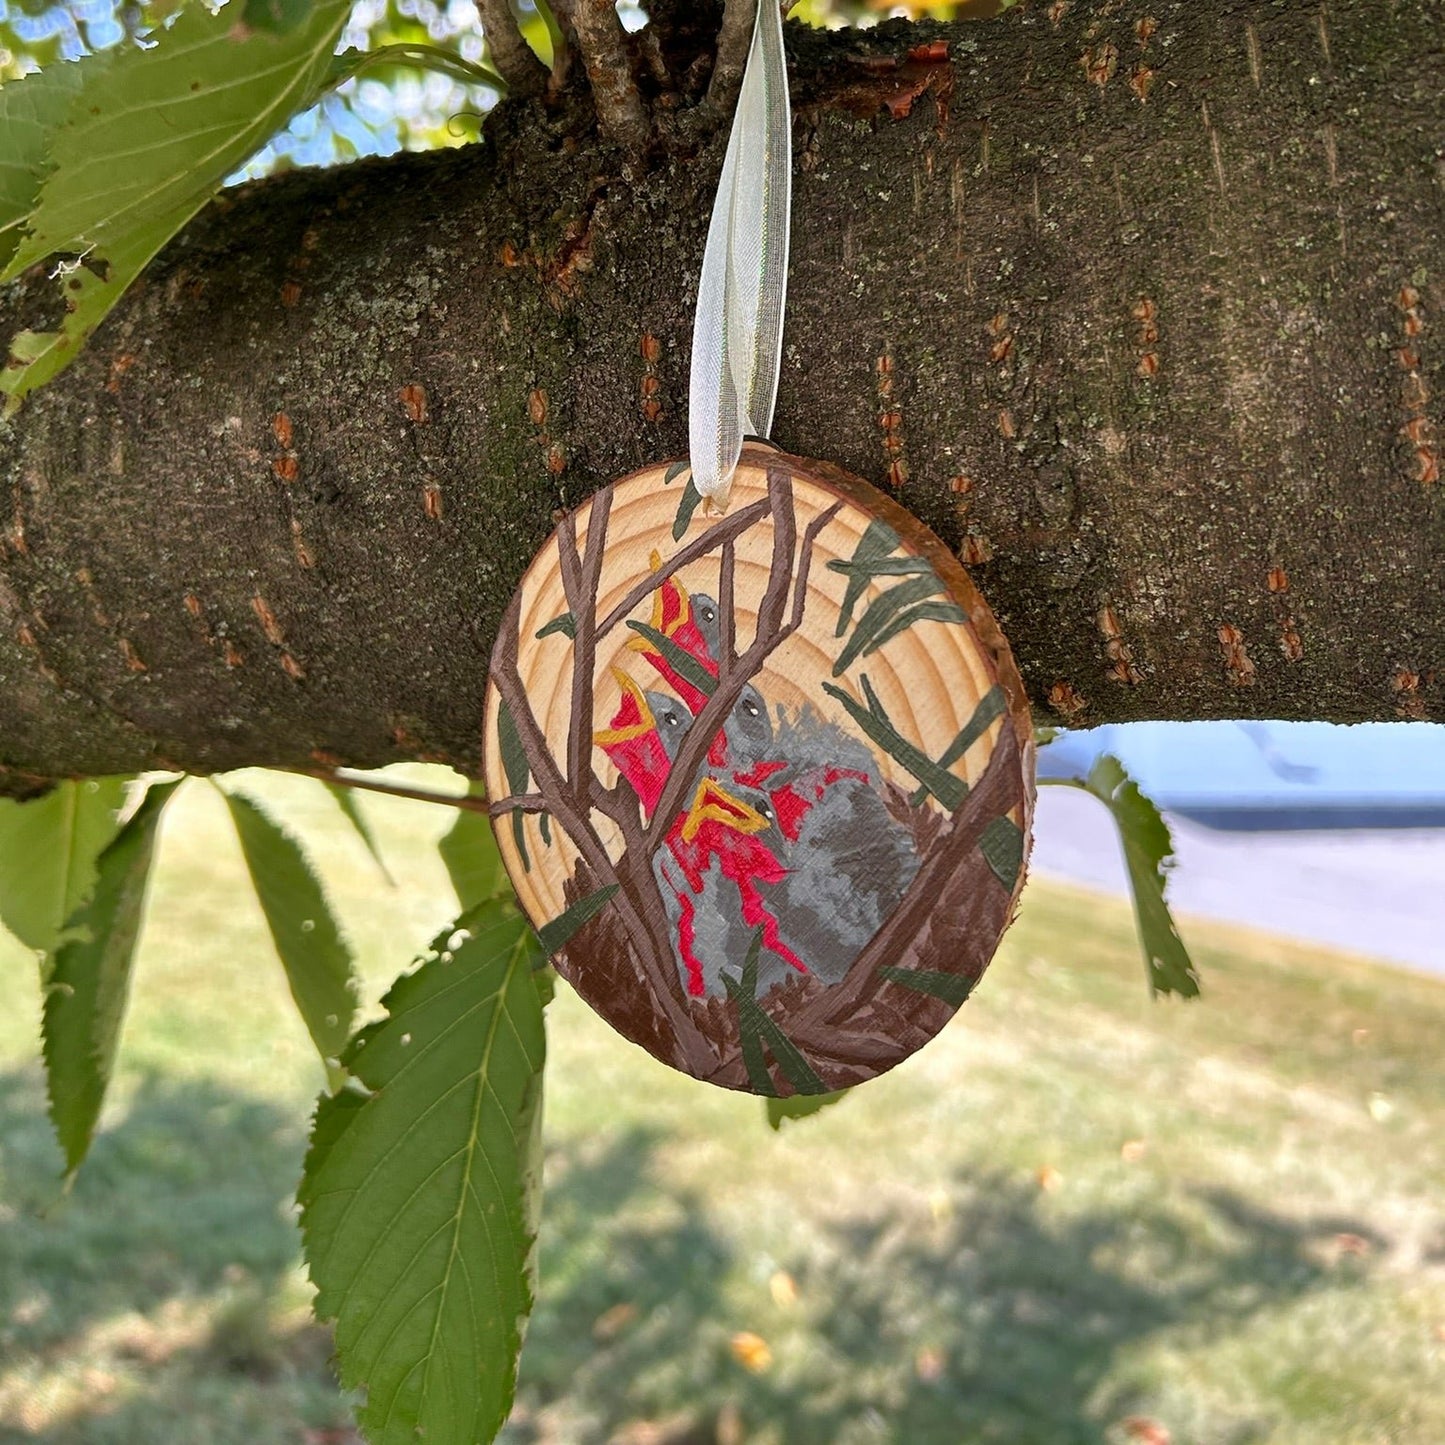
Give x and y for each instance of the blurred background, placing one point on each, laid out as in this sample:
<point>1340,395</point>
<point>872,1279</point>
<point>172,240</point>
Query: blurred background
<point>1077,1216</point>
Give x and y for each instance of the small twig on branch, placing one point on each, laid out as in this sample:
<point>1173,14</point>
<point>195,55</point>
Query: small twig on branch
<point>511,55</point>
<point>734,38</point>
<point>467,803</point>
<point>603,44</point>
<point>518,803</point>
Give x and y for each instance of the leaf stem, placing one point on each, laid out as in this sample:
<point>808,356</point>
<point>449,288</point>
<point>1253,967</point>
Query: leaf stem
<point>468,803</point>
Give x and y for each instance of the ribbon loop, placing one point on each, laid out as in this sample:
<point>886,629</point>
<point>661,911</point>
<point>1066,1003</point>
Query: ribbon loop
<point>737,339</point>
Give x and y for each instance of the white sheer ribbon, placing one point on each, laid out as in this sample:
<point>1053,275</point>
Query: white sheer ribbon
<point>737,339</point>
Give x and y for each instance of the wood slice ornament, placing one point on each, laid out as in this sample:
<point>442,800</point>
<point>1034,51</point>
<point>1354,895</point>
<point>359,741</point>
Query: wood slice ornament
<point>762,779</point>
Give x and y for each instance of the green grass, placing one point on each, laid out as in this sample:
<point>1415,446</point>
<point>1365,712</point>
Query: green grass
<point>963,1251</point>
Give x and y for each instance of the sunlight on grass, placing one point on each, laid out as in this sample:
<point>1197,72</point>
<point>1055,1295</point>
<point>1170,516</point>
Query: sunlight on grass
<point>1076,1208</point>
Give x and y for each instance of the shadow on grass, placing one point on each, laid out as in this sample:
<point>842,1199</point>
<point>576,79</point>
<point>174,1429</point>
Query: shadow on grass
<point>1009,1321</point>
<point>164,1265</point>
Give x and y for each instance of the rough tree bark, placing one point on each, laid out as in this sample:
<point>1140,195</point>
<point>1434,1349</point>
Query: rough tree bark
<point>1140,304</point>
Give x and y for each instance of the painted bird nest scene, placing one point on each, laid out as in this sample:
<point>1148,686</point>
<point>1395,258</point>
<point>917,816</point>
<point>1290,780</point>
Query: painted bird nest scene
<point>761,777</point>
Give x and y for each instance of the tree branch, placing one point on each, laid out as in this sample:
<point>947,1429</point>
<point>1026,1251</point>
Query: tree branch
<point>603,44</point>
<point>511,56</point>
<point>1147,410</point>
<point>734,39</point>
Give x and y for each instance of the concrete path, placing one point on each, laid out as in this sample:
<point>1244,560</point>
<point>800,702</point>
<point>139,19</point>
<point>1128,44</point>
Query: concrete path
<point>1366,891</point>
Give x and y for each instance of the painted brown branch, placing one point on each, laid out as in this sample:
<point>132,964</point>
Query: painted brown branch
<point>518,803</point>
<point>732,678</point>
<point>726,530</point>
<point>603,44</point>
<point>637,895</point>
<point>579,582</point>
<point>996,792</point>
<point>511,56</point>
<point>726,601</point>
<point>805,565</point>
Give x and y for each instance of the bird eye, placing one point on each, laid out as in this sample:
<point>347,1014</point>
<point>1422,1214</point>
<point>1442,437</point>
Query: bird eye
<point>752,708</point>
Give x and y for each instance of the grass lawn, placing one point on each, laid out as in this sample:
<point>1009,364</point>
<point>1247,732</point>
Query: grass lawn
<point>1075,1216</point>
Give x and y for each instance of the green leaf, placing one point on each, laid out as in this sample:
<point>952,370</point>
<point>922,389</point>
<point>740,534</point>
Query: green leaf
<point>276,15</point>
<point>345,799</point>
<point>675,471</point>
<point>30,111</point>
<point>952,988</point>
<point>414,55</point>
<point>557,934</point>
<point>86,999</point>
<point>48,852</point>
<point>875,723</point>
<point>146,142</point>
<point>317,959</point>
<point>565,624</point>
<point>420,1197</point>
<point>688,504</point>
<point>800,1106</point>
<point>1147,848</point>
<point>472,859</point>
<point>881,612</point>
<point>678,658</point>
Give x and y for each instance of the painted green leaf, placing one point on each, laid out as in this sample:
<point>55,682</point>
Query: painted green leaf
<point>1002,846</point>
<point>48,852</point>
<point>675,471</point>
<point>874,722</point>
<point>145,144</point>
<point>952,988</point>
<point>316,957</point>
<point>691,497</point>
<point>991,706</point>
<point>346,800</point>
<point>519,774</point>
<point>881,612</point>
<point>472,859</point>
<point>1147,849</point>
<point>800,1106</point>
<point>561,930</point>
<point>90,983</point>
<point>566,624</point>
<point>679,659</point>
<point>757,1031</point>
<point>924,612</point>
<point>421,1189</point>
<point>877,541</point>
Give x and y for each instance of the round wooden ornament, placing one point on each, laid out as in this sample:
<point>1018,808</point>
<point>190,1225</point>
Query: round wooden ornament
<point>762,780</point>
